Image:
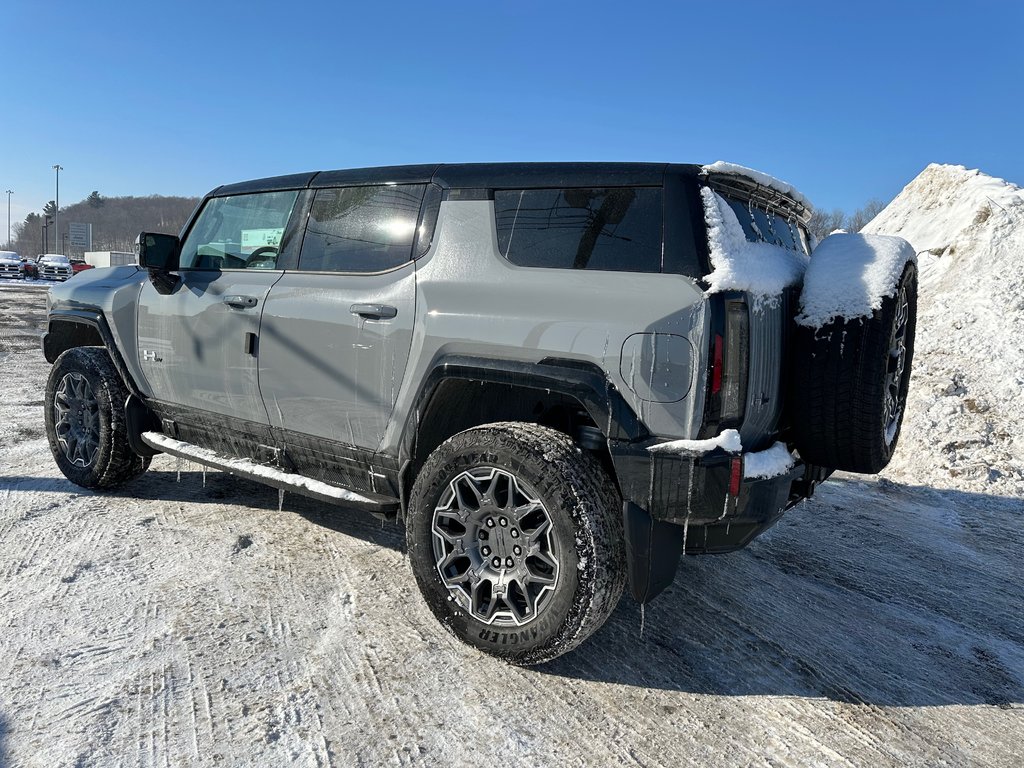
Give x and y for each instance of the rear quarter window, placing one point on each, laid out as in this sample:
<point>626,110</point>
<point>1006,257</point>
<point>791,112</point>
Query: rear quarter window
<point>617,229</point>
<point>763,226</point>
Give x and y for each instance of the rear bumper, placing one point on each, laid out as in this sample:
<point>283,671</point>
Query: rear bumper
<point>675,503</point>
<point>695,490</point>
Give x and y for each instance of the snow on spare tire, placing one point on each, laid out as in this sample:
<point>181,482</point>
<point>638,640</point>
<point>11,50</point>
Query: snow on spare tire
<point>853,348</point>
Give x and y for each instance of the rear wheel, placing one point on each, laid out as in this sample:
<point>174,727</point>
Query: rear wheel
<point>850,382</point>
<point>515,540</point>
<point>85,420</point>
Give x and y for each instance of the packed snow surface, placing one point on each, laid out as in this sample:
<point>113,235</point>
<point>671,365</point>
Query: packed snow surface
<point>727,439</point>
<point>720,166</point>
<point>770,462</point>
<point>964,422</point>
<point>849,275</point>
<point>180,624</point>
<point>737,264</point>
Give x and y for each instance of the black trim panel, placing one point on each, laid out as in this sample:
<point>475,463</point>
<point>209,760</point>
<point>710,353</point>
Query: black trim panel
<point>328,461</point>
<point>577,379</point>
<point>95,319</point>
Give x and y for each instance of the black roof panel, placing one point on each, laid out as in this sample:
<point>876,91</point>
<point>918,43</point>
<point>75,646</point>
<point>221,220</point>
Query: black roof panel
<point>475,175</point>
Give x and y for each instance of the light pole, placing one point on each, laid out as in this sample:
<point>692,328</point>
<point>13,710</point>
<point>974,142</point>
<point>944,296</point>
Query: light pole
<point>56,212</point>
<point>9,193</point>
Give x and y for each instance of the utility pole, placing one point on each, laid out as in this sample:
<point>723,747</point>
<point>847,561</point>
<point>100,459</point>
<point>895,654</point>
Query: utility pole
<point>56,213</point>
<point>9,193</point>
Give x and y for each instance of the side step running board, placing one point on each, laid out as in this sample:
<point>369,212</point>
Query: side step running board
<point>286,481</point>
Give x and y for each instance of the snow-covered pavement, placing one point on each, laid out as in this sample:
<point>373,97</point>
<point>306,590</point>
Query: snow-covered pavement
<point>174,623</point>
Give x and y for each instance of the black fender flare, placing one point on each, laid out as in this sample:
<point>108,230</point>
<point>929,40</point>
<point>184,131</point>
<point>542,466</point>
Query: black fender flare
<point>139,417</point>
<point>581,380</point>
<point>95,319</point>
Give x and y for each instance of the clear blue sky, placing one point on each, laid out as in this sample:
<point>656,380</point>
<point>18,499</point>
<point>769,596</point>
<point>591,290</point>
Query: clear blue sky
<point>847,101</point>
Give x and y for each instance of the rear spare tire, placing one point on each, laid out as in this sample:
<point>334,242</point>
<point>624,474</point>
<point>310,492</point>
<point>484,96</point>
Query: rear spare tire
<point>515,539</point>
<point>849,383</point>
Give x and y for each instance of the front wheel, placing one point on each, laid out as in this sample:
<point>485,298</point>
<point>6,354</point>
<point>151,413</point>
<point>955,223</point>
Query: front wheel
<point>85,420</point>
<point>515,540</point>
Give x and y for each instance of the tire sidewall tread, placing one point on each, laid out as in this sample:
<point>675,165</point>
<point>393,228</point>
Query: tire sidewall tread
<point>116,463</point>
<point>583,506</point>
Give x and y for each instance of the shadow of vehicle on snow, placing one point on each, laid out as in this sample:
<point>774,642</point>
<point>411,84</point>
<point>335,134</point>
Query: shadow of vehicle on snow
<point>222,488</point>
<point>5,756</point>
<point>870,593</point>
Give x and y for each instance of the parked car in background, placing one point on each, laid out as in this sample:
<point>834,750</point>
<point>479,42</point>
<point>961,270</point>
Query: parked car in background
<point>10,264</point>
<point>29,268</point>
<point>79,265</point>
<point>53,266</point>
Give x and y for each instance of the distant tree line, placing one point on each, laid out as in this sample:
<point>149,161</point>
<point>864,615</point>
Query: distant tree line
<point>823,223</point>
<point>116,222</point>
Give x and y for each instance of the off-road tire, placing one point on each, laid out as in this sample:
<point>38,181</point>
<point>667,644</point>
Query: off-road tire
<point>113,462</point>
<point>584,510</point>
<point>839,381</point>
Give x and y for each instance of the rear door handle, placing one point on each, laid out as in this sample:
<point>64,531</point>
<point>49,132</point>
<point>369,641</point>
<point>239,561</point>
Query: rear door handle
<point>374,311</point>
<point>240,302</point>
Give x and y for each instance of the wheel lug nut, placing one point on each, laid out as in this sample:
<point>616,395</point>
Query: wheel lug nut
<point>517,550</point>
<point>496,562</point>
<point>509,562</point>
<point>503,521</point>
<point>515,533</point>
<point>490,522</point>
<point>485,551</point>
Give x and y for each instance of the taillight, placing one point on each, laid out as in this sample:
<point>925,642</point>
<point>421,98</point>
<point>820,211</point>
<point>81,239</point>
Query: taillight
<point>729,353</point>
<point>737,355</point>
<point>735,475</point>
<point>716,365</point>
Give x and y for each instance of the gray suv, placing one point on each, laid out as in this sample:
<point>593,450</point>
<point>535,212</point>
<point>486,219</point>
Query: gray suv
<point>538,367</point>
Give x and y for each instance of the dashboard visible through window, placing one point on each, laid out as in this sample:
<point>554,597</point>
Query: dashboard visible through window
<point>239,232</point>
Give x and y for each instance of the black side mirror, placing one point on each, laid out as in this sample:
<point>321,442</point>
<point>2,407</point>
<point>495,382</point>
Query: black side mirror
<point>159,254</point>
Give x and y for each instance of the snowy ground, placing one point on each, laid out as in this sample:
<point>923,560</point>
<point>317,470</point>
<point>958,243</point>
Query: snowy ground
<point>172,624</point>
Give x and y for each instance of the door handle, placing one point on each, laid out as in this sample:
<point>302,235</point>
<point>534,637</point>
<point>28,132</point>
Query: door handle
<point>240,302</point>
<point>374,311</point>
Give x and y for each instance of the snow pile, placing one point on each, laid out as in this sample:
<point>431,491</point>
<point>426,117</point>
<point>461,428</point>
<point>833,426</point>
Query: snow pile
<point>728,440</point>
<point>762,269</point>
<point>732,169</point>
<point>771,462</point>
<point>849,275</point>
<point>964,426</point>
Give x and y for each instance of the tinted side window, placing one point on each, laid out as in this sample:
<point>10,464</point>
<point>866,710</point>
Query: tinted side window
<point>617,229</point>
<point>361,229</point>
<point>238,232</point>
